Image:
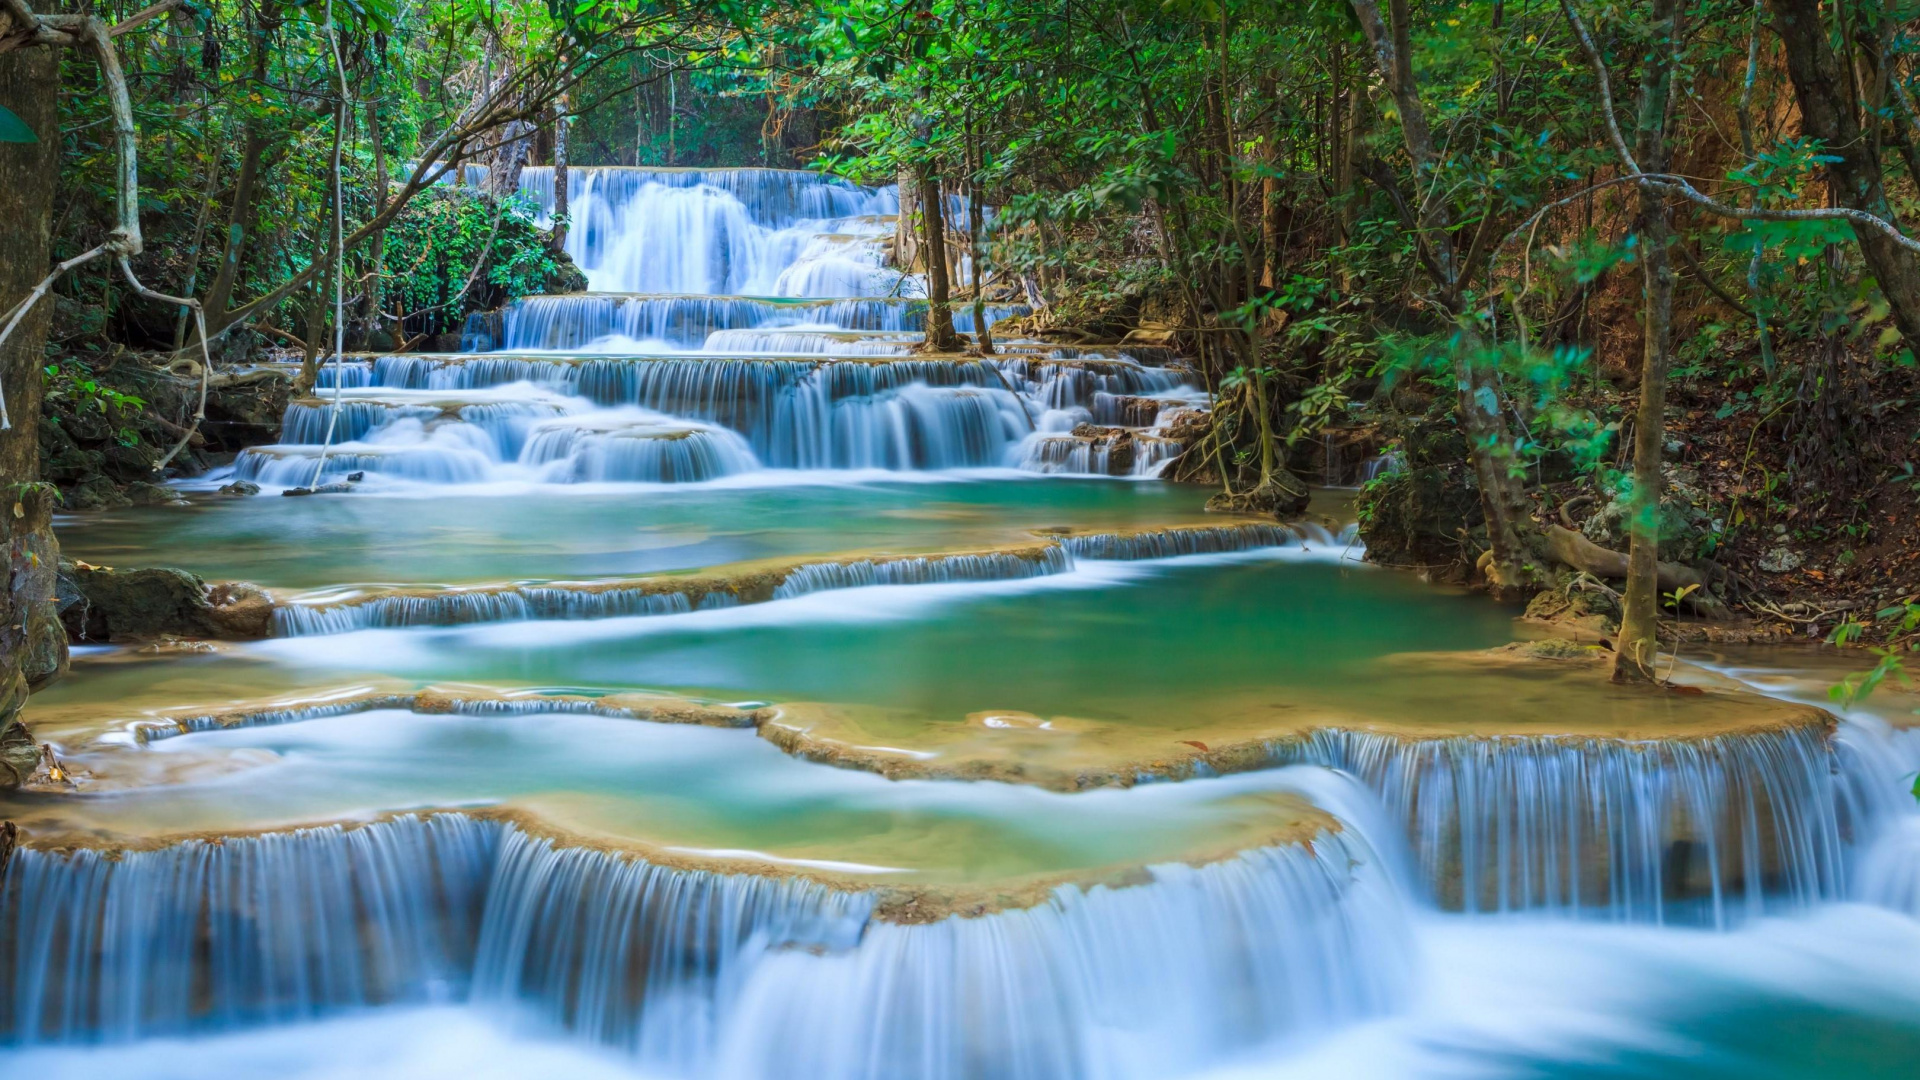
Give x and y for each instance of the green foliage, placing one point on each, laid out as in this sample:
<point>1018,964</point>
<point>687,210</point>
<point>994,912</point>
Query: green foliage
<point>73,384</point>
<point>1891,660</point>
<point>453,251</point>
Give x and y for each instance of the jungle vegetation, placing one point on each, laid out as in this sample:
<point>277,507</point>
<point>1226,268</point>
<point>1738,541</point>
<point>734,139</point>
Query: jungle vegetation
<point>1512,243</point>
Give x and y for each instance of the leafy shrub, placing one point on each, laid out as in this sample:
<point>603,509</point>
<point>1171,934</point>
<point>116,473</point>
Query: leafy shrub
<point>434,245</point>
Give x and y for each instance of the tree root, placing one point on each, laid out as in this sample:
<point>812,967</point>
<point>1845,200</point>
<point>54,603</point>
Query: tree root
<point>1582,554</point>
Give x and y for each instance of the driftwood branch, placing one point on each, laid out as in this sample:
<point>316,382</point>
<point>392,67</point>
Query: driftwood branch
<point>1583,554</point>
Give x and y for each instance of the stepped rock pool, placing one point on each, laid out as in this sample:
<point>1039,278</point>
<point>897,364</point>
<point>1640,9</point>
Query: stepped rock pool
<point>701,683</point>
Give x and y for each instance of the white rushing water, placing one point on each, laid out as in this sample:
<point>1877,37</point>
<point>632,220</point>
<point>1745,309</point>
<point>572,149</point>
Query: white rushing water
<point>696,972</point>
<point>743,320</point>
<point>1583,907</point>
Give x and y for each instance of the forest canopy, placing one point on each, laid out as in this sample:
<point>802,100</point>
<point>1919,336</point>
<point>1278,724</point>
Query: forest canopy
<point>1504,246</point>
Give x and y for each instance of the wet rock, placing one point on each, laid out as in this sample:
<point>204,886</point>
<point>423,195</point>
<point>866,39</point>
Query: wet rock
<point>1425,515</point>
<point>240,609</point>
<point>1132,410</point>
<point>1554,649</point>
<point>95,493</point>
<point>1196,462</point>
<point>1782,560</point>
<point>19,754</point>
<point>142,493</point>
<point>241,488</point>
<point>105,605</point>
<point>1116,442</point>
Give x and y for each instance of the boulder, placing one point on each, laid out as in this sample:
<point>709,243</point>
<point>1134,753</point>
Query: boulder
<point>98,604</point>
<point>142,493</point>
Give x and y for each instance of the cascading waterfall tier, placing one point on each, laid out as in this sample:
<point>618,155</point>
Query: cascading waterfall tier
<point>777,280</point>
<point>729,264</point>
<point>719,231</point>
<point>695,971</point>
<point>1698,830</point>
<point>463,418</point>
<point>617,322</point>
<point>1876,765</point>
<point>245,931</point>
<point>365,609</point>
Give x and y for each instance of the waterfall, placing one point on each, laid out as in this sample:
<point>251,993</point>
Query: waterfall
<point>613,323</point>
<point>1170,543</point>
<point>460,607</point>
<point>249,930</point>
<point>996,566</point>
<point>696,971</point>
<point>1877,763</point>
<point>735,299</point>
<point>365,610</point>
<point>720,231</point>
<point>1142,982</point>
<point>1703,830</point>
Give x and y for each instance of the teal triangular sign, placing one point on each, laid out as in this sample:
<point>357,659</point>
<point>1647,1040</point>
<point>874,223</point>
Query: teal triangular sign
<point>14,129</point>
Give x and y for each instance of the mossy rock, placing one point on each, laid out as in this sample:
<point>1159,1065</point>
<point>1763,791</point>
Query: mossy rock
<point>19,754</point>
<point>104,605</point>
<point>1424,515</point>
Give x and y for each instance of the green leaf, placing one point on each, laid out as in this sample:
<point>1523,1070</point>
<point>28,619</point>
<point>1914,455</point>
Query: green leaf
<point>13,129</point>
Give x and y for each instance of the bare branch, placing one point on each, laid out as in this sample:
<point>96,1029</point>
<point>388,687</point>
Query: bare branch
<point>26,303</point>
<point>134,21</point>
<point>1681,187</point>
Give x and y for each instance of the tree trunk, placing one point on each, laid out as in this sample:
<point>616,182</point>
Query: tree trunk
<point>1824,91</point>
<point>1518,564</point>
<point>33,647</point>
<point>239,222</point>
<point>975,249</point>
<point>906,245</point>
<point>517,142</point>
<point>560,176</point>
<point>1637,646</point>
<point>933,226</point>
<point>373,309</point>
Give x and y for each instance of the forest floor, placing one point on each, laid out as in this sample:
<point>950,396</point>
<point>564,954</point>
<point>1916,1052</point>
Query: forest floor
<point>1814,512</point>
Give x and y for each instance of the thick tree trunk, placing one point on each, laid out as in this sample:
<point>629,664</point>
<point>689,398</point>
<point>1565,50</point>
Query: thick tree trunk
<point>933,226</point>
<point>906,244</point>
<point>33,647</point>
<point>511,158</point>
<point>1638,645</point>
<point>1825,94</point>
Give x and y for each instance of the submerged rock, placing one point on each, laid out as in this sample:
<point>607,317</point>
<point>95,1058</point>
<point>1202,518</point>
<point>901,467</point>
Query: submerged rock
<point>99,604</point>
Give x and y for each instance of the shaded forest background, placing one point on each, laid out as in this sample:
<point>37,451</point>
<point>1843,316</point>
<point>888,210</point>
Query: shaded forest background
<point>1606,305</point>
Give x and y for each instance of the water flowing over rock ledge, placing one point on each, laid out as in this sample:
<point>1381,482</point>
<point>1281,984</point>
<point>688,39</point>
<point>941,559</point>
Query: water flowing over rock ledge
<point>1710,826</point>
<point>684,418</point>
<point>362,609</point>
<point>465,701</point>
<point>671,962</point>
